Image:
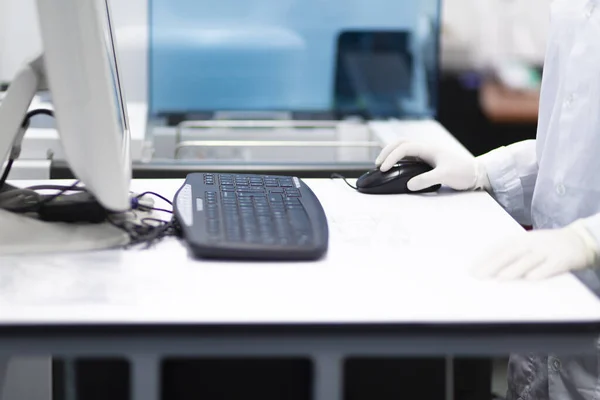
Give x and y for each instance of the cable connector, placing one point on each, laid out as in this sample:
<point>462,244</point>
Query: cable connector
<point>141,201</point>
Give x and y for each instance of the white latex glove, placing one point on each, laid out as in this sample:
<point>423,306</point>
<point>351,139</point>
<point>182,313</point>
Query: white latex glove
<point>540,254</point>
<point>452,168</point>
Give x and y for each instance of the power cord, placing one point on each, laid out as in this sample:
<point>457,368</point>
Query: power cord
<point>36,112</point>
<point>139,196</point>
<point>4,177</point>
<point>61,191</point>
<point>16,150</point>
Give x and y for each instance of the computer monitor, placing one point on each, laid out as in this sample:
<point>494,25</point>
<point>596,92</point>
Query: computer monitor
<point>82,74</point>
<point>80,68</point>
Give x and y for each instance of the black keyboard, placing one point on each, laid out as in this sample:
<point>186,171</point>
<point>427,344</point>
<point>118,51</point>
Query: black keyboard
<point>253,217</point>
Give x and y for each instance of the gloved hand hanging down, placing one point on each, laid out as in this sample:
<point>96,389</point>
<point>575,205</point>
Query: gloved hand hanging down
<point>540,254</point>
<point>452,168</point>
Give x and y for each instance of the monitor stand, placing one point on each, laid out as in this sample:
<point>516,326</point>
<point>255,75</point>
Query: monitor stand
<point>15,105</point>
<point>22,234</point>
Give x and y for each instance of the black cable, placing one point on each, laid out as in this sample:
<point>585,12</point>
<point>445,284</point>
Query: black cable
<point>145,234</point>
<point>62,191</point>
<point>33,113</point>
<point>155,194</point>
<point>157,234</point>
<point>56,187</point>
<point>144,208</point>
<point>24,125</point>
<point>139,233</point>
<point>333,176</point>
<point>6,172</point>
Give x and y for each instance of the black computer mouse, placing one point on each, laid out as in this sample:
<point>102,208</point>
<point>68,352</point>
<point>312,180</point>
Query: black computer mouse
<point>395,180</point>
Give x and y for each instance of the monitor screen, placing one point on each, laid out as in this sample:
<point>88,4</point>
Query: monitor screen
<point>111,48</point>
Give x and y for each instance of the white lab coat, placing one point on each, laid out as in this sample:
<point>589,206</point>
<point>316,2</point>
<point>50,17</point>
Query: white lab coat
<point>554,180</point>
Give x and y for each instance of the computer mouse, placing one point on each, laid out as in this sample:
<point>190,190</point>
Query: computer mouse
<point>394,181</point>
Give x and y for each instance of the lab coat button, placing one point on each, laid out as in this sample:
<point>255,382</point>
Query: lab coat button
<point>590,11</point>
<point>556,365</point>
<point>569,100</point>
<point>560,189</point>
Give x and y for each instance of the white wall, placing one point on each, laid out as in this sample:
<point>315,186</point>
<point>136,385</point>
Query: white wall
<point>20,40</point>
<point>19,35</point>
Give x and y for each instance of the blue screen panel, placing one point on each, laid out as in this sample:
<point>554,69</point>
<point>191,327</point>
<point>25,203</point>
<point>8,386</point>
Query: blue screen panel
<point>377,57</point>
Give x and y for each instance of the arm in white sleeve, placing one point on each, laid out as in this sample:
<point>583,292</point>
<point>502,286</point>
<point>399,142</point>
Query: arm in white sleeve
<point>512,172</point>
<point>591,226</point>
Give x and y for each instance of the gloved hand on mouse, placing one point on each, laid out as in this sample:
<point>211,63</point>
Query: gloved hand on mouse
<point>450,168</point>
<point>537,254</point>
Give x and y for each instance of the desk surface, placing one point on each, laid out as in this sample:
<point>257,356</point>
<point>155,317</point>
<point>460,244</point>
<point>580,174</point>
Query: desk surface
<point>393,260</point>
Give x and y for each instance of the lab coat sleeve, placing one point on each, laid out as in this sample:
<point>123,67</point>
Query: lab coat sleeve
<point>593,226</point>
<point>512,171</point>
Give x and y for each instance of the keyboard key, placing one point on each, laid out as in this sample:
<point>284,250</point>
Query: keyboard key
<point>292,206</point>
<point>299,220</point>
<point>303,240</point>
<point>212,214</point>
<point>250,190</point>
<point>275,198</point>
<point>292,193</point>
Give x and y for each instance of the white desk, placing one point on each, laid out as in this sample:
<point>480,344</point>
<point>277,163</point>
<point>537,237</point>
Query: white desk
<point>394,282</point>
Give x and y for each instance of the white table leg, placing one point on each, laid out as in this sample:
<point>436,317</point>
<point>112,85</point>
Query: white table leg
<point>145,377</point>
<point>3,372</point>
<point>328,377</point>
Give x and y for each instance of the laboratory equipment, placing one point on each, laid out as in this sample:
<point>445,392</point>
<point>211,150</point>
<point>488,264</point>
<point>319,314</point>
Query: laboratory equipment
<point>270,86</point>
